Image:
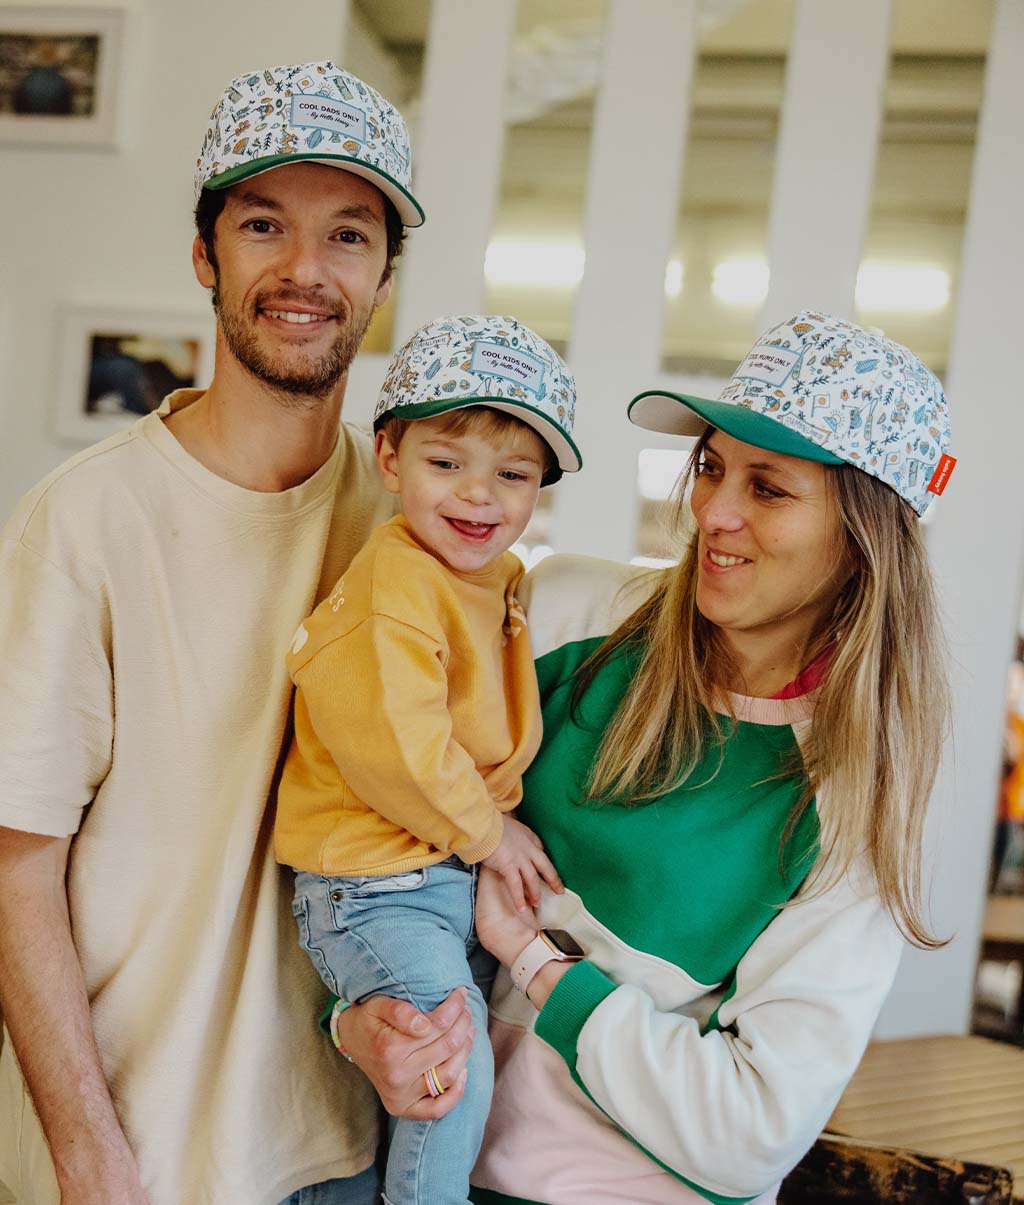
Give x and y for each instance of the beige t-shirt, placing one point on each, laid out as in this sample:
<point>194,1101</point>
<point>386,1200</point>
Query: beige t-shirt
<point>146,607</point>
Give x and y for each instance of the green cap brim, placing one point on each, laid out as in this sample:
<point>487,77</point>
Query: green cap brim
<point>409,209</point>
<point>566,453</point>
<point>681,414</point>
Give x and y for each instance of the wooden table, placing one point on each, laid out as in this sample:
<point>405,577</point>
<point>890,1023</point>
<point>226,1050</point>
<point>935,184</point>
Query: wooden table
<point>958,1097</point>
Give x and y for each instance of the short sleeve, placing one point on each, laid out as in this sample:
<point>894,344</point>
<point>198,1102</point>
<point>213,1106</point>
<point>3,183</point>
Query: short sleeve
<point>56,694</point>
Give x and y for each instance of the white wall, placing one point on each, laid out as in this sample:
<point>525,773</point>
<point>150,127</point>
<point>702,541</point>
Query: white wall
<point>115,228</point>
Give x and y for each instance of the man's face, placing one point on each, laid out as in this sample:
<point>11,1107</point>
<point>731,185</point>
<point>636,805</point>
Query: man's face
<point>300,253</point>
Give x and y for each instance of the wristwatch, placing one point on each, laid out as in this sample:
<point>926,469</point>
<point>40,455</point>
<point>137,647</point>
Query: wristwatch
<point>550,945</point>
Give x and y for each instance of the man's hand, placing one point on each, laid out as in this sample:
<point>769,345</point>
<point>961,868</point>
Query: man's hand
<point>522,863</point>
<point>393,1043</point>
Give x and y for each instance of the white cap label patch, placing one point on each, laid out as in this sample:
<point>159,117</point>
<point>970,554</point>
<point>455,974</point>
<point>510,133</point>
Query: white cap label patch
<point>326,113</point>
<point>769,364</point>
<point>495,359</point>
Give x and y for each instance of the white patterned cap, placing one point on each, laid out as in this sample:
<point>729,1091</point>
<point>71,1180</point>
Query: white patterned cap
<point>315,112</point>
<point>824,389</point>
<point>484,360</point>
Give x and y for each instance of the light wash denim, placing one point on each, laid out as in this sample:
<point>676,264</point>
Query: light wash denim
<point>363,1189</point>
<point>410,936</point>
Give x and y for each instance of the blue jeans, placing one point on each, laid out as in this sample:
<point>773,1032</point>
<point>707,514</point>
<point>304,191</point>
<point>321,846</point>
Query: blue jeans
<point>363,1189</point>
<point>410,936</point>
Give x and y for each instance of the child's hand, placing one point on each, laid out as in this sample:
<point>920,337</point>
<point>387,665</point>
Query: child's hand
<point>521,861</point>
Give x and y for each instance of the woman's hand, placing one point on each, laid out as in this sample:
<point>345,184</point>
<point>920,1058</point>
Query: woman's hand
<point>393,1044</point>
<point>502,929</point>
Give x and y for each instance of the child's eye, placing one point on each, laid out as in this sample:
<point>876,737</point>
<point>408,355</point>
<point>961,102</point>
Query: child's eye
<point>438,463</point>
<point>512,475</point>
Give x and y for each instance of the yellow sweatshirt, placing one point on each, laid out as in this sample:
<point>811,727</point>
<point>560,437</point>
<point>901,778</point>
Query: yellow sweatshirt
<point>416,713</point>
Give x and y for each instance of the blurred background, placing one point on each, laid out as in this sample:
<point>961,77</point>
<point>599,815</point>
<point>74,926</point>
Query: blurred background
<point>647,183</point>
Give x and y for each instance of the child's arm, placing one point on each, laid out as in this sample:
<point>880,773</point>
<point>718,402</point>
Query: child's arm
<point>521,861</point>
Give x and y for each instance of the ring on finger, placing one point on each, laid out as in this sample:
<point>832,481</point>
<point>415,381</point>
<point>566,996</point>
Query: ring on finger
<point>433,1081</point>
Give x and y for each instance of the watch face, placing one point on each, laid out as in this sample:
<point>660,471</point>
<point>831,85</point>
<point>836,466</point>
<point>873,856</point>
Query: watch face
<point>563,942</point>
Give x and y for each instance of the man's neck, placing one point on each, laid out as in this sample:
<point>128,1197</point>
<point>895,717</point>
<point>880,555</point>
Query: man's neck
<point>253,435</point>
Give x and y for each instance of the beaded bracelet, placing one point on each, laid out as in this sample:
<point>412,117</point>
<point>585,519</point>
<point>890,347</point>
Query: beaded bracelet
<point>339,1007</point>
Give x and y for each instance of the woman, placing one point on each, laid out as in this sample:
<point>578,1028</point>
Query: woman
<point>738,754</point>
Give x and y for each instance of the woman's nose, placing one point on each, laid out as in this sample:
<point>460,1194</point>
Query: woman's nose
<point>722,511</point>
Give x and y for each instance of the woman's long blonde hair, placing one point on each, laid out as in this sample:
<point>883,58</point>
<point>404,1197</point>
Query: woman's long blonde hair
<point>880,715</point>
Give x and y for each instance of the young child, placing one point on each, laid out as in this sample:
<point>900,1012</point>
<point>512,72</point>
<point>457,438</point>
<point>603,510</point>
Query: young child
<point>416,708</point>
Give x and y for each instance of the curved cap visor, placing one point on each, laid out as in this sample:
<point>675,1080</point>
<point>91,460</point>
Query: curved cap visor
<point>566,453</point>
<point>409,209</point>
<point>681,414</point>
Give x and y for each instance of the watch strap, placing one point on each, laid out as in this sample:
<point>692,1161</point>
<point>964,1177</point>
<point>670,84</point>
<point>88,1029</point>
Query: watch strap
<point>536,955</point>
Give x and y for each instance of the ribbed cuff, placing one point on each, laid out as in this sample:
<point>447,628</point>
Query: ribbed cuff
<point>575,996</point>
<point>486,847</point>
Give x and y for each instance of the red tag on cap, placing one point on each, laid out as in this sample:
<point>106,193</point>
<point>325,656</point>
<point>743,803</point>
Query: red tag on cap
<point>943,471</point>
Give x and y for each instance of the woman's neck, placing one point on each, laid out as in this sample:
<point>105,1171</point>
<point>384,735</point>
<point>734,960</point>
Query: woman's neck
<point>762,663</point>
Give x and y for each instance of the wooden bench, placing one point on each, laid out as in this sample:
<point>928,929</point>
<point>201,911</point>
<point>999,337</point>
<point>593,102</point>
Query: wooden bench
<point>958,1099</point>
<point>842,1170</point>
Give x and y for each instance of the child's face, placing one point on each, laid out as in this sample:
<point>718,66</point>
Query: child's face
<point>466,498</point>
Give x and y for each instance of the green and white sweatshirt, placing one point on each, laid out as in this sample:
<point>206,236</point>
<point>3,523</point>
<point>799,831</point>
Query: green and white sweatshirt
<point>701,1046</point>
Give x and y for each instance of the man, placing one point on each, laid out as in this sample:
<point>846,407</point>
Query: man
<point>160,1011</point>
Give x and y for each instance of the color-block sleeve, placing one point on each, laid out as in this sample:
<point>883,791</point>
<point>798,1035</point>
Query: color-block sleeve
<point>388,729</point>
<point>731,1110</point>
<point>56,695</point>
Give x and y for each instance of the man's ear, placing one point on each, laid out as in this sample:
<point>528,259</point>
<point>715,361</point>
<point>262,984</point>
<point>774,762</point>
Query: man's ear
<point>387,462</point>
<point>201,265</point>
<point>384,289</point>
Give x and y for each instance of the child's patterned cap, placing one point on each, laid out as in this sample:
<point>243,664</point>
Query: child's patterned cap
<point>490,361</point>
<point>825,389</point>
<point>313,111</point>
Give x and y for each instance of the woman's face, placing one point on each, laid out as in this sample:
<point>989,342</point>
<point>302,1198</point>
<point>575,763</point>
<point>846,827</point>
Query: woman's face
<point>768,547</point>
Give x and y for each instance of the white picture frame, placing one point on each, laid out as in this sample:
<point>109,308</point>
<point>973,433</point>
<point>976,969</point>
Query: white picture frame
<point>52,55</point>
<point>118,362</point>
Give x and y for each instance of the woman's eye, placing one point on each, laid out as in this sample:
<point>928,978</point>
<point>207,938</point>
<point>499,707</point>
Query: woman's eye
<point>707,469</point>
<point>766,491</point>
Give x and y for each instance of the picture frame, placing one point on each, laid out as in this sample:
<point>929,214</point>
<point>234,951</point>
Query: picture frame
<point>117,363</point>
<point>60,74</point>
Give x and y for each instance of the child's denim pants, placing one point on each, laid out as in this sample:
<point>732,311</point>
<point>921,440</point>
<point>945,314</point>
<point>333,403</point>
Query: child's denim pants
<point>410,936</point>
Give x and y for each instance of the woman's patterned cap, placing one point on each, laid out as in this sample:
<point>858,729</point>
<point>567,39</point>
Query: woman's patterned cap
<point>480,360</point>
<point>825,389</point>
<point>313,111</point>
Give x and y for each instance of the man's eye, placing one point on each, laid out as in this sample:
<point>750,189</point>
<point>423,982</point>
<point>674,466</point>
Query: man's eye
<point>350,236</point>
<point>260,225</point>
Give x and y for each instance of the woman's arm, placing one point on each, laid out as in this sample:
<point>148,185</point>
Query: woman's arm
<point>732,1105</point>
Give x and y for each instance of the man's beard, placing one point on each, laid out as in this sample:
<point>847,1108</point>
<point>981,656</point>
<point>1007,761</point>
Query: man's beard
<point>317,376</point>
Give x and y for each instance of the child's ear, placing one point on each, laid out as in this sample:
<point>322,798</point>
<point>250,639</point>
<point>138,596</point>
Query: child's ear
<point>387,462</point>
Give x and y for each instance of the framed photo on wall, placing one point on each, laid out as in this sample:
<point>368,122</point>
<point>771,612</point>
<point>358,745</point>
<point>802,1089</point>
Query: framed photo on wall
<point>117,364</point>
<point>59,74</point>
